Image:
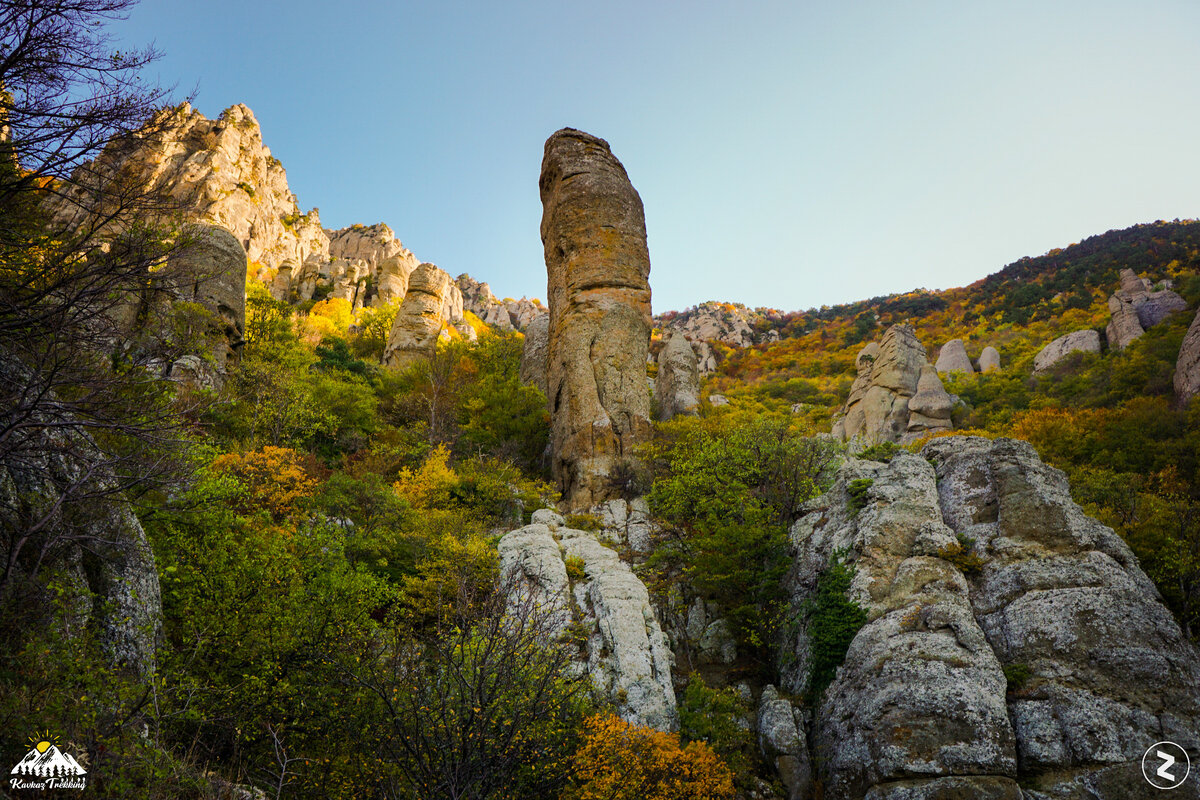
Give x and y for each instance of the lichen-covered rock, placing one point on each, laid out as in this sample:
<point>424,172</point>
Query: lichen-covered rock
<point>1105,669</point>
<point>1187,366</point>
<point>921,694</point>
<point>594,234</point>
<point>783,742</point>
<point>533,355</point>
<point>989,359</point>
<point>929,409</point>
<point>627,523</point>
<point>953,358</point>
<point>210,270</point>
<point>1084,341</point>
<point>431,303</point>
<point>677,384</point>
<point>626,653</point>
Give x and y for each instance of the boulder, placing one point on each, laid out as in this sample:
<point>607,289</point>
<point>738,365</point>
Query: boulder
<point>1010,641</point>
<point>533,356</point>
<point>432,302</point>
<point>594,234</point>
<point>1084,341</point>
<point>677,385</point>
<point>625,653</point>
<point>1136,307</point>
<point>209,269</point>
<point>783,742</point>
<point>953,358</point>
<point>1123,326</point>
<point>989,359</point>
<point>929,409</point>
<point>1187,366</point>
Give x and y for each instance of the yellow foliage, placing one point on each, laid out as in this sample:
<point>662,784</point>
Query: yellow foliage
<point>620,761</point>
<point>479,326</point>
<point>276,478</point>
<point>429,486</point>
<point>335,309</point>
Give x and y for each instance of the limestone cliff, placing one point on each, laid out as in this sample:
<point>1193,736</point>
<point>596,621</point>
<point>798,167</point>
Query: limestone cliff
<point>432,303</point>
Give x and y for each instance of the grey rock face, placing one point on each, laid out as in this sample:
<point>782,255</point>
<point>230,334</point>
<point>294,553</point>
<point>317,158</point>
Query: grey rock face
<point>1157,306</point>
<point>784,745</point>
<point>1123,326</point>
<point>920,708</point>
<point>953,358</point>
<point>989,359</point>
<point>889,376</point>
<point>1187,366</point>
<point>211,271</point>
<point>598,267</point>
<point>1135,308</point>
<point>677,385</point>
<point>533,356</point>
<point>1085,341</point>
<point>626,653</point>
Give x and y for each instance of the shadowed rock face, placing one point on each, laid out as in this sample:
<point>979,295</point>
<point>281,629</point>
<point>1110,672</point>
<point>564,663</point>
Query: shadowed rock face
<point>677,386</point>
<point>598,269</point>
<point>533,356</point>
<point>211,271</point>
<point>1187,367</point>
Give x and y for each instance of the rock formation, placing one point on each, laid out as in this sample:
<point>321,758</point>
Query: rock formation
<point>953,358</point>
<point>889,375</point>
<point>989,359</point>
<point>594,234</point>
<point>781,739</point>
<point>1084,341</point>
<point>677,385</point>
<point>370,244</point>
<point>625,651</point>
<point>1011,642</point>
<point>1136,307</point>
<point>432,303</point>
<point>533,356</point>
<point>729,323</point>
<point>210,270</point>
<point>216,171</point>
<point>1187,366</point>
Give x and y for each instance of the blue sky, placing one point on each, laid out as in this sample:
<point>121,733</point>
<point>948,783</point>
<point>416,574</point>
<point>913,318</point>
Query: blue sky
<point>789,154</point>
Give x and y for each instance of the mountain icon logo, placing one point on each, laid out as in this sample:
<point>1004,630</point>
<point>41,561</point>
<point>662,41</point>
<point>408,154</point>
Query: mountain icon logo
<point>47,766</point>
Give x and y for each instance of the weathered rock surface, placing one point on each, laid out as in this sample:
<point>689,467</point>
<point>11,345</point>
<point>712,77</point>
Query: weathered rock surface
<point>921,707</point>
<point>594,233</point>
<point>677,384</point>
<point>1187,366</point>
<point>1085,341</point>
<point>1136,307</point>
<point>889,374</point>
<point>536,349</point>
<point>370,244</point>
<point>626,653</point>
<point>929,409</point>
<point>216,171</point>
<point>953,358</point>
<point>504,314</point>
<point>432,303</point>
<point>210,270</point>
<point>784,745</point>
<point>989,359</point>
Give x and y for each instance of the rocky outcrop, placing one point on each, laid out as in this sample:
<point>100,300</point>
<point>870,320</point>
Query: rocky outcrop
<point>989,359</point>
<point>783,742</point>
<point>677,384</point>
<point>929,409</point>
<point>215,171</point>
<point>1010,641</point>
<point>1135,307</point>
<point>889,375</point>
<point>728,323</point>
<point>370,244</point>
<point>953,358</point>
<point>594,234</point>
<point>593,592</point>
<point>432,303</point>
<point>1187,366</point>
<point>479,300</point>
<point>209,269</point>
<point>536,348</point>
<point>1085,341</point>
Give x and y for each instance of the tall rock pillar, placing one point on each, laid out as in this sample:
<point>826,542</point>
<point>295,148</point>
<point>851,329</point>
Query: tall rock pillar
<point>598,269</point>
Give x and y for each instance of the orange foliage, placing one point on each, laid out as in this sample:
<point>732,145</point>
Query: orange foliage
<point>620,761</point>
<point>276,478</point>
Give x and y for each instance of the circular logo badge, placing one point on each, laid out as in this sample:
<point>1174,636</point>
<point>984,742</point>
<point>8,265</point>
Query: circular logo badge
<point>1166,765</point>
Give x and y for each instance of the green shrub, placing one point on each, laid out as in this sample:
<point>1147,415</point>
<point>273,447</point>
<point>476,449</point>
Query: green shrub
<point>858,493</point>
<point>575,570</point>
<point>717,716</point>
<point>833,621</point>
<point>1017,675</point>
<point>884,451</point>
<point>583,522</point>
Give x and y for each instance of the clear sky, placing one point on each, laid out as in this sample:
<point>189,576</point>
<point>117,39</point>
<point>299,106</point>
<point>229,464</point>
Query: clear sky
<point>789,154</point>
